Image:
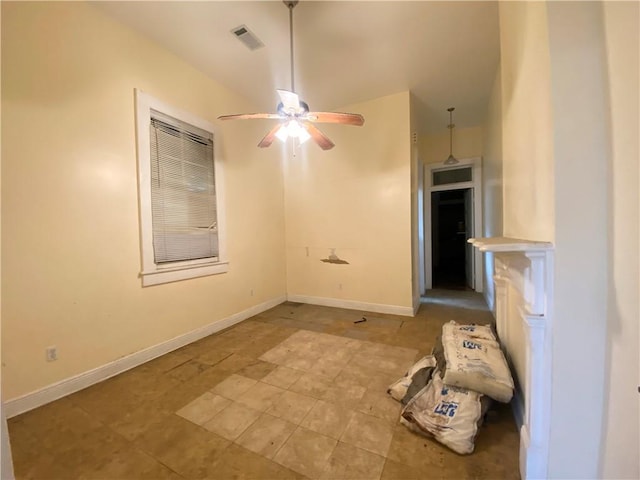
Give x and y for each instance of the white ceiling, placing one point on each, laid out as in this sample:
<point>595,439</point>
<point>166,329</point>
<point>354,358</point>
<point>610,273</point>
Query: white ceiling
<point>446,53</point>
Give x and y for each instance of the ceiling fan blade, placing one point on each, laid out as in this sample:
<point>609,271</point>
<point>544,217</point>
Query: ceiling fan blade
<point>269,137</point>
<point>247,116</point>
<point>320,138</point>
<point>290,101</point>
<point>336,117</point>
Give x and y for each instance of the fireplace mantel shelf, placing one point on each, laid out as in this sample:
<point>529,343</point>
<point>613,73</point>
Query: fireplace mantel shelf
<point>506,244</point>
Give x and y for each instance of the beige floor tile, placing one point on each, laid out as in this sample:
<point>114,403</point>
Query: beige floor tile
<point>303,337</point>
<point>232,421</point>
<point>184,447</point>
<point>306,452</point>
<point>266,435</point>
<point>166,362</point>
<point>187,370</point>
<point>369,433</point>
<point>238,463</point>
<point>260,396</point>
<point>357,334</point>
<point>380,381</point>
<point>255,349</point>
<point>277,354</point>
<point>132,389</point>
<point>380,363</point>
<point>203,382</point>
<point>312,385</point>
<point>214,357</point>
<point>283,377</point>
<point>328,419</point>
<point>70,443</point>
<point>131,463</point>
<point>301,361</point>
<point>292,406</point>
<point>348,462</point>
<point>348,396</point>
<point>328,367</point>
<point>340,353</point>
<point>234,362</point>
<point>415,450</point>
<point>399,471</point>
<point>204,408</point>
<point>234,386</point>
<point>353,374</point>
<point>378,403</point>
<point>135,421</point>
<point>257,370</point>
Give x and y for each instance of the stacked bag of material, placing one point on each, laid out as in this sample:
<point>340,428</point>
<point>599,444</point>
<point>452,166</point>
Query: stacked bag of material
<point>446,394</point>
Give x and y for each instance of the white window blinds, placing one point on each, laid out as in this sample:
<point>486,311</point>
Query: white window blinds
<point>183,193</point>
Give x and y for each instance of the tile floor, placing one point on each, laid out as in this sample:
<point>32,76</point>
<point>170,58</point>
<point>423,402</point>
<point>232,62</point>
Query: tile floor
<point>296,392</point>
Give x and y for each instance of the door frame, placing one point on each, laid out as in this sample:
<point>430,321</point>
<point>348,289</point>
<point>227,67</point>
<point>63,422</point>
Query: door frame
<point>476,185</point>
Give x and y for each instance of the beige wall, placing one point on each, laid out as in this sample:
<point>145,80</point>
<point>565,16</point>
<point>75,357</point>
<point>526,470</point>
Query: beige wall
<point>527,144</point>
<point>70,250</point>
<point>621,422</point>
<point>6,463</point>
<point>355,198</point>
<point>467,143</point>
<point>492,181</point>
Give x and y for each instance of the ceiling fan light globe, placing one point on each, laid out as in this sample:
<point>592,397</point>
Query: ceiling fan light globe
<point>303,136</point>
<point>283,133</point>
<point>294,129</point>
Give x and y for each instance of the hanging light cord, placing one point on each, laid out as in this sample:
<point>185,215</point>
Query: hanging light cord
<point>450,131</point>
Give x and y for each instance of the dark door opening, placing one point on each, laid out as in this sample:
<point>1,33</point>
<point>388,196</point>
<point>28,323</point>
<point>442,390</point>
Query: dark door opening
<point>451,226</point>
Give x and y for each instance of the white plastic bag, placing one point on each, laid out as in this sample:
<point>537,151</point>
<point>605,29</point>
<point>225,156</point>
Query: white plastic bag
<point>398,389</point>
<point>476,364</point>
<point>450,414</point>
<point>473,331</point>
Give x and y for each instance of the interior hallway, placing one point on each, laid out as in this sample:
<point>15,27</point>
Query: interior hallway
<point>296,392</point>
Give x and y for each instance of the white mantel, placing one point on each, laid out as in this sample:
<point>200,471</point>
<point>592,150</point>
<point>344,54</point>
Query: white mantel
<point>524,288</point>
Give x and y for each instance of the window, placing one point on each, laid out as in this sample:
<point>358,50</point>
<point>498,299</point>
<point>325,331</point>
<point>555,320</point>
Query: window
<point>454,175</point>
<point>181,196</point>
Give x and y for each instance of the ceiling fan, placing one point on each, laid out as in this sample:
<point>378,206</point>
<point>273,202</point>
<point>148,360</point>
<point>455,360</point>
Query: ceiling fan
<point>296,120</point>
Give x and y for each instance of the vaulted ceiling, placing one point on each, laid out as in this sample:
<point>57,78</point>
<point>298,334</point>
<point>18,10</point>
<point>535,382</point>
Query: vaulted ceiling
<point>446,53</point>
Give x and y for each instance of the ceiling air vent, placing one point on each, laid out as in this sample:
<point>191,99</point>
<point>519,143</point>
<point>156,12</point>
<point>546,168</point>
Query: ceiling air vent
<point>247,37</point>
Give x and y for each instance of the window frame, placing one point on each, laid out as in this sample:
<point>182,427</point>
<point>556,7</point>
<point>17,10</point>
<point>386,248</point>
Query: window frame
<point>152,273</point>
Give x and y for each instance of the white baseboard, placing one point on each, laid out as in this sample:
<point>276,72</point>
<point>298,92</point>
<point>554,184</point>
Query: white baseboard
<point>352,305</point>
<point>29,401</point>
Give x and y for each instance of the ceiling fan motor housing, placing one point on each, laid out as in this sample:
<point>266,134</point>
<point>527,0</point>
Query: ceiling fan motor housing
<point>304,109</point>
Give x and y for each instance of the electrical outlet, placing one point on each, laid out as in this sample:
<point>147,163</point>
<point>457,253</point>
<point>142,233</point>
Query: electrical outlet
<point>52,353</point>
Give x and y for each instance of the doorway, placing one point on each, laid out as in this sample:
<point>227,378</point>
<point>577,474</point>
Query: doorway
<point>451,227</point>
<point>452,215</point>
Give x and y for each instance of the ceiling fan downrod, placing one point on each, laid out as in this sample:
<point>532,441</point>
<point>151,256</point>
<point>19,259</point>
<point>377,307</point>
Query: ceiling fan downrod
<point>290,5</point>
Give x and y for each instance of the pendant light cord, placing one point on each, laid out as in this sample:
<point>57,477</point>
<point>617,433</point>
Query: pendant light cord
<point>450,136</point>
<point>450,131</point>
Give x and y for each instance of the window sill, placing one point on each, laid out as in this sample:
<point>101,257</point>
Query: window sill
<point>183,272</point>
